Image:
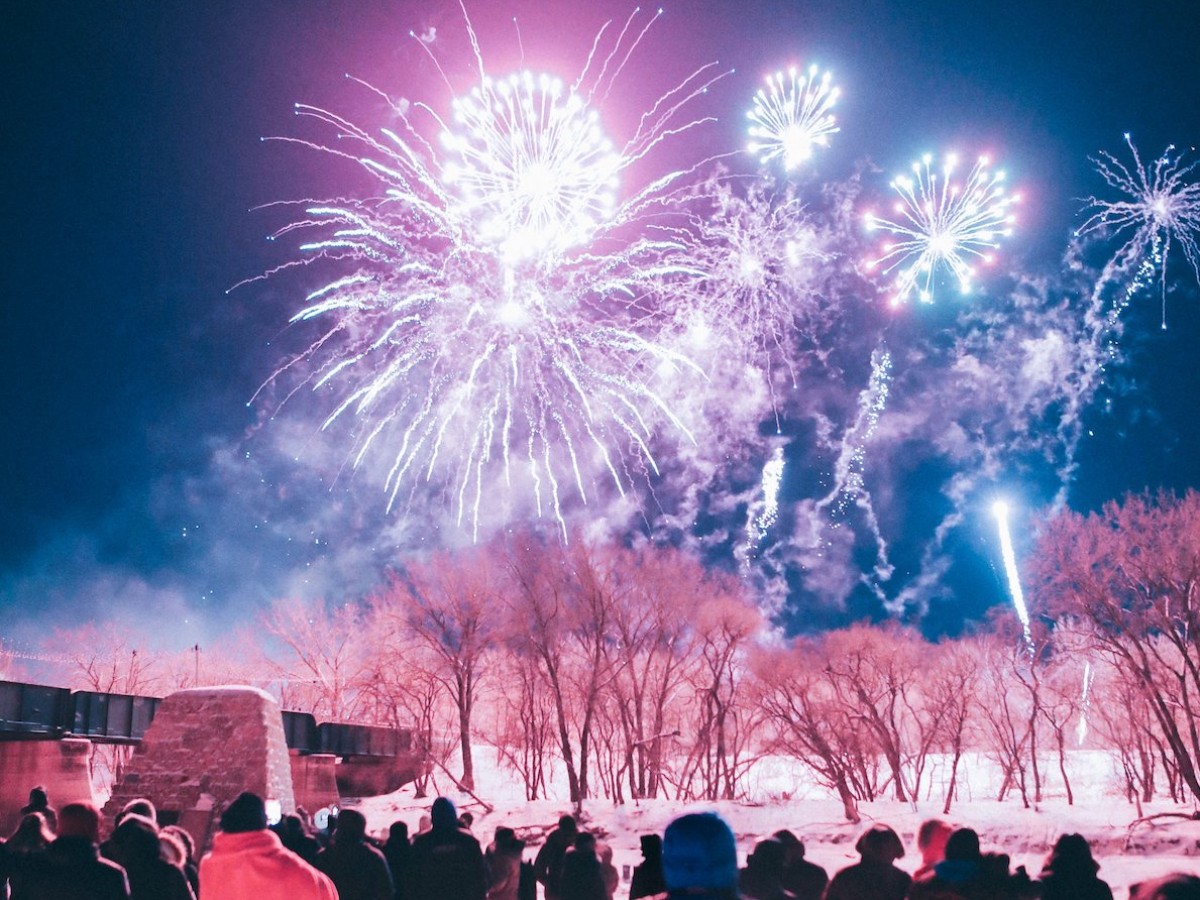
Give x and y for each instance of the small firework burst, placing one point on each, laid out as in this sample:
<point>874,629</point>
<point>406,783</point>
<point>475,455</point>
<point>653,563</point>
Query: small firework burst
<point>791,115</point>
<point>941,223</point>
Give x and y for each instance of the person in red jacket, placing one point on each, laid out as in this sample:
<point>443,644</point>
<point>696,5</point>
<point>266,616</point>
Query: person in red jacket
<point>248,861</point>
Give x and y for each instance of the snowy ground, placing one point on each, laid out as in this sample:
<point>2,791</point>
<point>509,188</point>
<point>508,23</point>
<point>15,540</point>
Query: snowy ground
<point>784,798</point>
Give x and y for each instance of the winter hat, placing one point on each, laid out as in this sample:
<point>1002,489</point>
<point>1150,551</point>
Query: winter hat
<point>443,814</point>
<point>246,813</point>
<point>964,845</point>
<point>699,852</point>
<point>351,825</point>
<point>881,843</point>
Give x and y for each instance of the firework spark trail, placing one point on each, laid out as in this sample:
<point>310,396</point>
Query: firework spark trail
<point>791,116</point>
<point>1162,206</point>
<point>473,323</point>
<point>765,512</point>
<point>848,484</point>
<point>1085,704</point>
<point>759,261</point>
<point>942,223</point>
<point>1000,511</point>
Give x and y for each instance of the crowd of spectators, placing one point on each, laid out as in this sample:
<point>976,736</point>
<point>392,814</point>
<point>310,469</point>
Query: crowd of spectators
<point>58,855</point>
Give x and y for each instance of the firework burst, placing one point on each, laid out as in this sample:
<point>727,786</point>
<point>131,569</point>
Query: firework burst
<point>942,223</point>
<point>1162,206</point>
<point>474,334</point>
<point>791,115</point>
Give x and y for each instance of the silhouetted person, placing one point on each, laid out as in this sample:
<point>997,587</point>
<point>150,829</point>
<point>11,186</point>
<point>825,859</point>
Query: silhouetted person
<point>547,866</point>
<point>248,862</point>
<point>806,880</point>
<point>136,847</point>
<point>648,874</point>
<point>39,802</point>
<point>931,844</point>
<point>762,878</point>
<point>72,868</point>
<point>24,851</point>
<point>1070,872</point>
<point>398,853</point>
<point>358,870</point>
<point>874,877</point>
<point>1176,886</point>
<point>968,874</point>
<point>503,857</point>
<point>447,860</point>
<point>295,837</point>
<point>582,878</point>
<point>187,844</point>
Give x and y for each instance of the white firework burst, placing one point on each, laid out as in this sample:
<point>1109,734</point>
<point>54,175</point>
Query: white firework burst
<point>942,223</point>
<point>1161,207</point>
<point>791,115</point>
<point>491,320</point>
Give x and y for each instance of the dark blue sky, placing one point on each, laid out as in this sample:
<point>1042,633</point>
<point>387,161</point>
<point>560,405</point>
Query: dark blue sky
<point>131,158</point>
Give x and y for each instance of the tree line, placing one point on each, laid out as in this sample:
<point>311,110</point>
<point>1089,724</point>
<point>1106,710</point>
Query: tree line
<point>636,672</point>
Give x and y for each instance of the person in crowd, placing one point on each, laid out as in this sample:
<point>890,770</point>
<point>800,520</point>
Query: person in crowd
<point>581,877</point>
<point>874,876</point>
<point>447,862</point>
<point>39,802</point>
<point>248,861</point>
<point>357,869</point>
<point>968,874</point>
<point>136,847</point>
<point>466,820</point>
<point>931,844</point>
<point>72,868</point>
<point>296,837</point>
<point>612,878</point>
<point>503,857</point>
<point>140,806</point>
<point>1176,886</point>
<point>1070,872</point>
<point>24,851</point>
<point>699,858</point>
<point>547,866</point>
<point>806,880</point>
<point>648,874</point>
<point>188,845</point>
<point>398,852</point>
<point>762,878</point>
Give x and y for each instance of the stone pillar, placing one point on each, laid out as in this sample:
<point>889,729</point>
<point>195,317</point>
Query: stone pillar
<point>313,781</point>
<point>204,747</point>
<point>60,766</point>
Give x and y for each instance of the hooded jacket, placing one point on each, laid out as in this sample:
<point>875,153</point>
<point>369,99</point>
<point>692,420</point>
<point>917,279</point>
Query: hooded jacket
<point>254,864</point>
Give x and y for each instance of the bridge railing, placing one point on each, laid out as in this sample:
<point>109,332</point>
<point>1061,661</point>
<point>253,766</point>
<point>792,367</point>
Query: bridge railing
<point>36,710</point>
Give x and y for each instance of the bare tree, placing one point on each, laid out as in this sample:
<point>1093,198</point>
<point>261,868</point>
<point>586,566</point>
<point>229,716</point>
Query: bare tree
<point>1132,572</point>
<point>452,605</point>
<point>810,722</point>
<point>320,664</point>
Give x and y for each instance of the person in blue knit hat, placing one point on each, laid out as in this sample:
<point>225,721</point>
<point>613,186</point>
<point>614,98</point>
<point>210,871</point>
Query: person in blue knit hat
<point>699,858</point>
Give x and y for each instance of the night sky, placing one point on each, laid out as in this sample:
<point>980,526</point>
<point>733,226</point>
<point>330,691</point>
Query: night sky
<point>136,476</point>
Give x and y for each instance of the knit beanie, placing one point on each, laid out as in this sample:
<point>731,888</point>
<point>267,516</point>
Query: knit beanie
<point>699,852</point>
<point>443,814</point>
<point>247,813</point>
